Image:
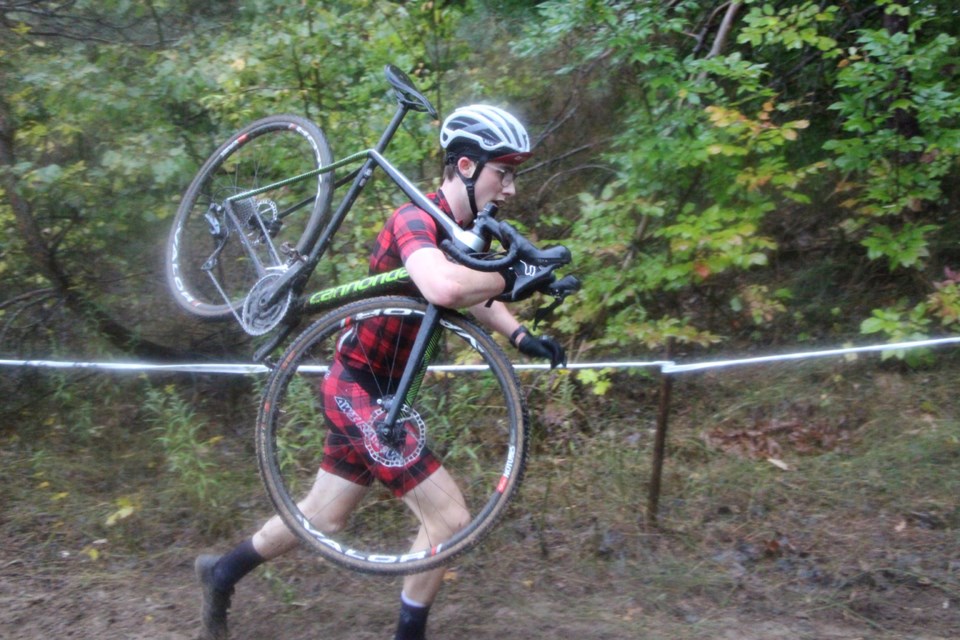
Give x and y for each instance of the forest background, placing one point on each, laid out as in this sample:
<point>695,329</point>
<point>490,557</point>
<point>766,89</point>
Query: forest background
<point>758,171</point>
<point>731,177</point>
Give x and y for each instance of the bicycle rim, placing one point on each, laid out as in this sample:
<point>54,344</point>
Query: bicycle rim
<point>469,414</point>
<point>266,152</point>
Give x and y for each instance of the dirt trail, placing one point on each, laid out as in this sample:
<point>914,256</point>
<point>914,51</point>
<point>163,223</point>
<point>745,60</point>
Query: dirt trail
<point>301,598</point>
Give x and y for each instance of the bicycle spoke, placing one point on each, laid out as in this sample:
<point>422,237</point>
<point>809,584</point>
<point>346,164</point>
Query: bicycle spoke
<point>212,264</point>
<point>445,482</point>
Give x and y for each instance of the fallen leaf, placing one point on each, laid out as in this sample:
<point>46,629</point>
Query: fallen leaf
<point>119,514</point>
<point>780,464</point>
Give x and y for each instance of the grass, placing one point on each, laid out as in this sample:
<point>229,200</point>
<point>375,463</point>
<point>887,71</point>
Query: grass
<point>116,481</point>
<point>826,489</point>
<point>859,500</point>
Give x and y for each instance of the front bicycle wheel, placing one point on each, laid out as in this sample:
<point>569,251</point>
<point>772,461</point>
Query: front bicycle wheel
<point>469,417</point>
<point>212,262</point>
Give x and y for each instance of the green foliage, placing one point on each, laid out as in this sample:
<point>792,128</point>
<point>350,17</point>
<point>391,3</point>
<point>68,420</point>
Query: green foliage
<point>307,433</point>
<point>700,160</point>
<point>186,452</point>
<point>596,380</point>
<point>904,248</point>
<point>705,158</point>
<point>944,301</point>
<point>703,149</point>
<point>901,324</point>
<point>109,131</point>
<point>898,112</point>
<point>759,304</point>
<point>794,27</point>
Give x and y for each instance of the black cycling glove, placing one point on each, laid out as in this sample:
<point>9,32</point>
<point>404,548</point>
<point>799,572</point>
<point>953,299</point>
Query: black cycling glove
<point>542,347</point>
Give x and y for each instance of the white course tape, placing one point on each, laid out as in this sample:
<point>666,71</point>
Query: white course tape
<point>666,366</point>
<point>137,367</point>
<point>700,366</point>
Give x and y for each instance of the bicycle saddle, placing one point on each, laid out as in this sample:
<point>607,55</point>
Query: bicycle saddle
<point>407,93</point>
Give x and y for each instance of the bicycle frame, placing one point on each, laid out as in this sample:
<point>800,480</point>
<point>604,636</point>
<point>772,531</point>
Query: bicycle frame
<point>296,276</point>
<point>291,279</point>
<point>423,346</point>
<point>375,285</point>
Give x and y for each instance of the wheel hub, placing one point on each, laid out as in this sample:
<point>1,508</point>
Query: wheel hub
<point>399,446</point>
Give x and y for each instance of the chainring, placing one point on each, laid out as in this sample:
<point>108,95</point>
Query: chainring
<point>259,320</point>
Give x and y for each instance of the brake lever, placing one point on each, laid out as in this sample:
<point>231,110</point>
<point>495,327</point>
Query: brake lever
<point>559,289</point>
<point>563,287</point>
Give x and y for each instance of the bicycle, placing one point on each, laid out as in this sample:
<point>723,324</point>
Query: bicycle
<point>450,359</point>
<point>255,221</point>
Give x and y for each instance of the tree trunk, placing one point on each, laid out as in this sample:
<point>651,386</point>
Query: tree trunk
<point>903,121</point>
<point>44,258</point>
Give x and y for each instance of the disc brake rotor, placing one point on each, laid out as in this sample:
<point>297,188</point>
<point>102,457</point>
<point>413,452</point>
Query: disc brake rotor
<point>412,438</point>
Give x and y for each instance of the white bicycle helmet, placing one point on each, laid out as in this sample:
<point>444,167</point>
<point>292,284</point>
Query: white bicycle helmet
<point>491,131</point>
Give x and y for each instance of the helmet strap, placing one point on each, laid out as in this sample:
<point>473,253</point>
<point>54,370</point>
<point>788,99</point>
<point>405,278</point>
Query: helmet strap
<point>470,182</point>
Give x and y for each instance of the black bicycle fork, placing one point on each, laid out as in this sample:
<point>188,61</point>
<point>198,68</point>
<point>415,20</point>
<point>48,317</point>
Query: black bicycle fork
<point>392,431</point>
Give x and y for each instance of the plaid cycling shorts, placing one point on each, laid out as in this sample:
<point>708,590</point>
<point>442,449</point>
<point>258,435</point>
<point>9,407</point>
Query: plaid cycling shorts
<point>352,449</point>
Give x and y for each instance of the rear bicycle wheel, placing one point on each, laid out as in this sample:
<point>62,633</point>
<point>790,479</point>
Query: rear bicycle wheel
<point>469,415</point>
<point>273,223</point>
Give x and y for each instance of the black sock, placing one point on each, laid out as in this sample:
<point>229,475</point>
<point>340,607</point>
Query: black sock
<point>413,621</point>
<point>234,565</point>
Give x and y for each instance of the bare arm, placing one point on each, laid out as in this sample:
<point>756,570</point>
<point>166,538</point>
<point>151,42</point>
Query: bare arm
<point>448,284</point>
<point>455,286</point>
<point>497,317</point>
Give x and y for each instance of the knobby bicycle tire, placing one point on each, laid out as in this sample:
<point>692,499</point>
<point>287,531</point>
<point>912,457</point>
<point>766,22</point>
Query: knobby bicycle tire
<point>265,152</point>
<point>469,414</point>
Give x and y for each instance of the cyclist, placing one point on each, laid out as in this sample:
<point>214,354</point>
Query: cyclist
<point>483,146</point>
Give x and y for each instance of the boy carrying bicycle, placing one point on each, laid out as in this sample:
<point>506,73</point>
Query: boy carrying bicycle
<point>484,145</point>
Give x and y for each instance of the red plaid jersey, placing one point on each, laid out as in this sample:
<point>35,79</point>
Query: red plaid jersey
<point>380,346</point>
<point>352,449</point>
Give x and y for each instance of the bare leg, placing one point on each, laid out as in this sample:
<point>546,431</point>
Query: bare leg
<point>328,505</point>
<point>439,505</point>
